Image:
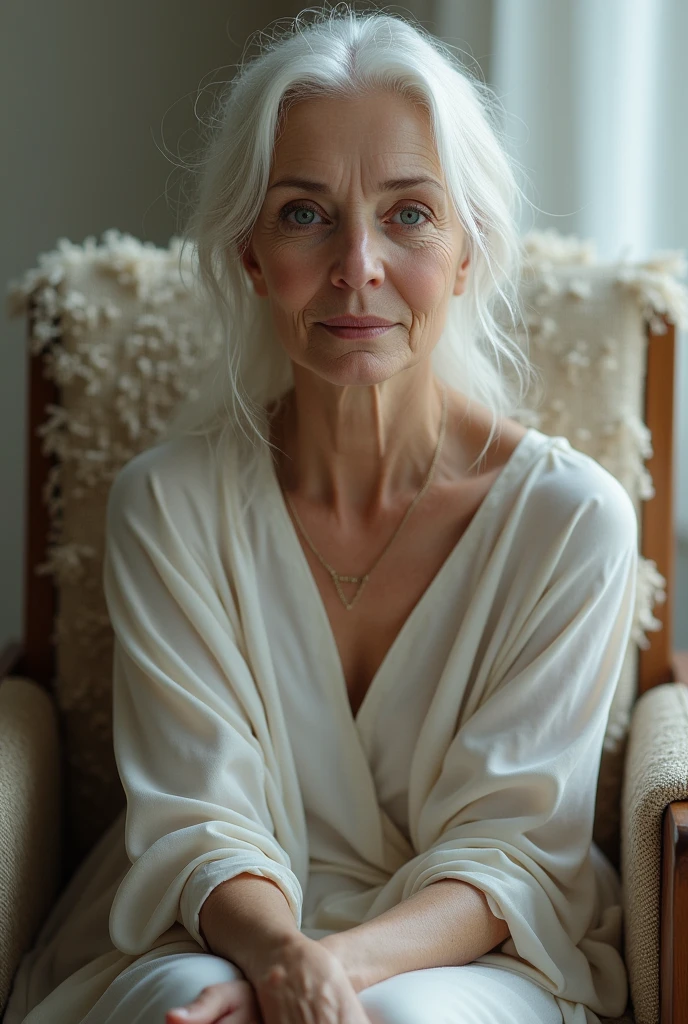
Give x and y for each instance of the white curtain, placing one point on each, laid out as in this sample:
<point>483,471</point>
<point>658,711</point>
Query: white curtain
<point>596,93</point>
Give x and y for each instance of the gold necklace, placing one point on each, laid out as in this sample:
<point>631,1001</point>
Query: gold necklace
<point>337,578</point>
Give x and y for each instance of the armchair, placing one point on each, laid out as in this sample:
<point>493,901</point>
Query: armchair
<point>115,338</point>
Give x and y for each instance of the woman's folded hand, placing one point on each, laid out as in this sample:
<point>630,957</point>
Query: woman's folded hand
<point>304,983</point>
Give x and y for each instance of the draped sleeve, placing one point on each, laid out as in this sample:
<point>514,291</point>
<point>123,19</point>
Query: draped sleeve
<point>511,811</point>
<point>184,699</point>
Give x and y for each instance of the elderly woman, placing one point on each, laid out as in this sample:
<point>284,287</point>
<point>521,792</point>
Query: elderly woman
<point>368,626</point>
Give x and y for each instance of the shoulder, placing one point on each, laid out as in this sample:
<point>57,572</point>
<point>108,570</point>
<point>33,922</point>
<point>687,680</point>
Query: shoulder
<point>557,486</point>
<point>570,496</point>
<point>170,474</point>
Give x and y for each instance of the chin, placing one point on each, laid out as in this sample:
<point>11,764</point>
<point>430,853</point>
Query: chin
<point>359,369</point>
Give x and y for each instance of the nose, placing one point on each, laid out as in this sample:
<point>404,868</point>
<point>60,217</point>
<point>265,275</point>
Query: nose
<point>358,255</point>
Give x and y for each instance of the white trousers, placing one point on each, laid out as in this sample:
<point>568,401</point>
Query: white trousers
<point>472,994</point>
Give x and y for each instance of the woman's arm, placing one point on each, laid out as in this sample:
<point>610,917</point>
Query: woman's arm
<point>245,918</point>
<point>447,924</point>
<point>508,806</point>
<point>189,733</point>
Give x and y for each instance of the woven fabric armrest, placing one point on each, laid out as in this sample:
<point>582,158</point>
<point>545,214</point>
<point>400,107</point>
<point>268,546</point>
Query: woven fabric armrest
<point>30,818</point>
<point>656,774</point>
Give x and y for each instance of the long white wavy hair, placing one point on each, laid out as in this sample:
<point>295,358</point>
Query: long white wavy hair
<point>334,50</point>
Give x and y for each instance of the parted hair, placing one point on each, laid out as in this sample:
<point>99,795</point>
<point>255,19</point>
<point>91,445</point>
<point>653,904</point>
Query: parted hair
<point>338,51</point>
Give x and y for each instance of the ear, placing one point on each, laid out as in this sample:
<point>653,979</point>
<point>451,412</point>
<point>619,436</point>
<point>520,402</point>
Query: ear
<point>461,276</point>
<point>252,268</point>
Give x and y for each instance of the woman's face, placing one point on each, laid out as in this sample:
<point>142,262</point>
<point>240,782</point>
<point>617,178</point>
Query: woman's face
<point>342,232</point>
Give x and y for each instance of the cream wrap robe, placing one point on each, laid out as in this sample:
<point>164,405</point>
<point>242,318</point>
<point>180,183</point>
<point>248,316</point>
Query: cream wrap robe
<point>503,774</point>
<point>238,751</point>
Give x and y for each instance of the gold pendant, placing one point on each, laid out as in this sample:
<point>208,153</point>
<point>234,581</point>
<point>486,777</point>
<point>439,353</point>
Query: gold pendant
<point>361,580</point>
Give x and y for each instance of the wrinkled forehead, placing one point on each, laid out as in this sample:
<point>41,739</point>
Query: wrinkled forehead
<point>378,136</point>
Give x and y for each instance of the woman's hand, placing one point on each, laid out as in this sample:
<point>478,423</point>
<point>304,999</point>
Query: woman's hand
<point>305,983</point>
<point>228,1002</point>
<point>301,983</point>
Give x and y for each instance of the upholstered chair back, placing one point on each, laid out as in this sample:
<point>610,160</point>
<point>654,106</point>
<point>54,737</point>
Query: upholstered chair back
<point>119,331</point>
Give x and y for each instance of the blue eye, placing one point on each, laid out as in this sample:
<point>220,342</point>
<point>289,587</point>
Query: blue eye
<point>412,209</point>
<point>301,209</point>
<point>298,208</point>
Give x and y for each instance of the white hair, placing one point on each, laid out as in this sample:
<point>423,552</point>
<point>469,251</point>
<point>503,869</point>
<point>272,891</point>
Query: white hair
<point>335,51</point>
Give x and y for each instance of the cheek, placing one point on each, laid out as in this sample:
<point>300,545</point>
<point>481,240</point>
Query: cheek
<point>292,277</point>
<point>423,279</point>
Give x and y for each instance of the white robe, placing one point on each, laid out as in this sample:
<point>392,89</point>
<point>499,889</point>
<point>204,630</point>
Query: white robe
<point>474,754</point>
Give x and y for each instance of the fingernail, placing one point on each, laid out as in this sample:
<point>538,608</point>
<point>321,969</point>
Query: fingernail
<point>180,1011</point>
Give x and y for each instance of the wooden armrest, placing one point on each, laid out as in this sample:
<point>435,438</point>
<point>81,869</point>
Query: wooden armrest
<point>673,979</point>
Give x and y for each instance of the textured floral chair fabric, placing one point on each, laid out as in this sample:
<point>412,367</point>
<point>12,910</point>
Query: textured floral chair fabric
<point>123,334</point>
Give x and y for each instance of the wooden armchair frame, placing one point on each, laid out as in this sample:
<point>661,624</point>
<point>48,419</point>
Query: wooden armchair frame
<point>34,656</point>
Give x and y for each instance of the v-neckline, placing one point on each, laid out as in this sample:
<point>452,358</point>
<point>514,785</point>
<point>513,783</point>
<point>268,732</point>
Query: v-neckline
<point>291,541</point>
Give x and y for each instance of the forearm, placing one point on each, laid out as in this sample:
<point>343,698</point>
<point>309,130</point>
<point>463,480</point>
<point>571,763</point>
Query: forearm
<point>245,918</point>
<point>446,924</point>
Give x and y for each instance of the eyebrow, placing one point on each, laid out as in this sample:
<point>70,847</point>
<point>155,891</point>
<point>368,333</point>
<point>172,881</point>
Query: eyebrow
<point>390,185</point>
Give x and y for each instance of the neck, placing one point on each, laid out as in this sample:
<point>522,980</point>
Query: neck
<point>358,451</point>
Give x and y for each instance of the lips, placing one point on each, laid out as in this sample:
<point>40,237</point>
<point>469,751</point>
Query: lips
<point>358,321</point>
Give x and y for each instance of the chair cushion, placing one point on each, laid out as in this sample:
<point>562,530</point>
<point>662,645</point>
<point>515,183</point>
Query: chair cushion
<point>30,817</point>
<point>124,334</point>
